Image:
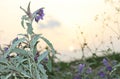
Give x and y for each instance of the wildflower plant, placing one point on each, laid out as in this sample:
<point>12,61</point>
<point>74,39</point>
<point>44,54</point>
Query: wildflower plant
<point>21,59</point>
<point>107,70</point>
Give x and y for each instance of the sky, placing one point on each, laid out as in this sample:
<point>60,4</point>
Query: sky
<point>60,24</point>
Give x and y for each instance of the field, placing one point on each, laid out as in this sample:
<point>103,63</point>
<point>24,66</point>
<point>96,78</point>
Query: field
<point>69,70</point>
<point>24,57</point>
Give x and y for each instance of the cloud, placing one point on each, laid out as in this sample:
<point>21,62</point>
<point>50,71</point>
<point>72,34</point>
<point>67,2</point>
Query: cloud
<point>51,23</point>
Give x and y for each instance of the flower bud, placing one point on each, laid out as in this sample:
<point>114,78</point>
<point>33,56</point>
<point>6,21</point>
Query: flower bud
<point>13,54</point>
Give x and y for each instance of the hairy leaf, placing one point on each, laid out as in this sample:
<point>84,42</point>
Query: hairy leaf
<point>37,74</point>
<point>42,56</point>
<point>14,45</point>
<point>49,44</point>
<point>20,51</point>
<point>49,65</point>
<point>34,40</point>
<point>24,18</point>
<point>25,75</point>
<point>42,69</point>
<point>8,76</point>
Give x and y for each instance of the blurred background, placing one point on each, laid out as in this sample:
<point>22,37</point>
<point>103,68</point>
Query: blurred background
<point>69,25</point>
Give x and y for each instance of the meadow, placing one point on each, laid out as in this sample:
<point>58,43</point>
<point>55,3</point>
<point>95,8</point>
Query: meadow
<point>22,59</point>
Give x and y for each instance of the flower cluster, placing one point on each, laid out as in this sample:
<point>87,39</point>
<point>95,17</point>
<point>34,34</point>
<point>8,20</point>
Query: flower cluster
<point>105,69</point>
<point>107,64</point>
<point>21,59</point>
<point>104,72</point>
<point>39,15</point>
<point>82,70</point>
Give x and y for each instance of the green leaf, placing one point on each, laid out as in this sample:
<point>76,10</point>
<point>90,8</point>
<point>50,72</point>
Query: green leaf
<point>20,62</point>
<point>37,74</point>
<point>22,23</point>
<point>2,68</point>
<point>3,61</point>
<point>2,77</point>
<point>15,77</point>
<point>29,28</point>
<point>16,43</point>
<point>23,35</point>
<point>49,44</point>
<point>34,40</point>
<point>30,66</point>
<point>14,40</point>
<point>1,50</point>
<point>28,10</point>
<point>25,75</point>
<point>44,77</point>
<point>118,65</point>
<point>24,17</point>
<point>49,65</point>
<point>23,60</point>
<point>42,56</point>
<point>20,51</point>
<point>42,69</point>
<point>8,76</point>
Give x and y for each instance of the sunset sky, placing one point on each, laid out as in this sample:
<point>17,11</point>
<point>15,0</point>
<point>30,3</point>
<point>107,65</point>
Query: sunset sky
<point>61,21</point>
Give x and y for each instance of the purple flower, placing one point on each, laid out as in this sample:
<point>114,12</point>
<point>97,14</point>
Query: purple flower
<point>89,70</point>
<point>109,68</point>
<point>101,74</point>
<point>81,67</point>
<point>105,62</point>
<point>6,49</point>
<point>77,77</point>
<point>107,65</point>
<point>46,59</point>
<point>36,57</point>
<point>40,14</point>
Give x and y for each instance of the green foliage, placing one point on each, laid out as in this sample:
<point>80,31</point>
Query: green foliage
<point>22,60</point>
<point>24,18</point>
<point>29,28</point>
<point>49,44</point>
<point>68,70</point>
<point>42,56</point>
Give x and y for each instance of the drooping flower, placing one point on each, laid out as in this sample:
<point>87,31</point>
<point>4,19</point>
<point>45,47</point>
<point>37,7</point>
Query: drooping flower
<point>40,14</point>
<point>40,11</point>
<point>101,74</point>
<point>81,67</point>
